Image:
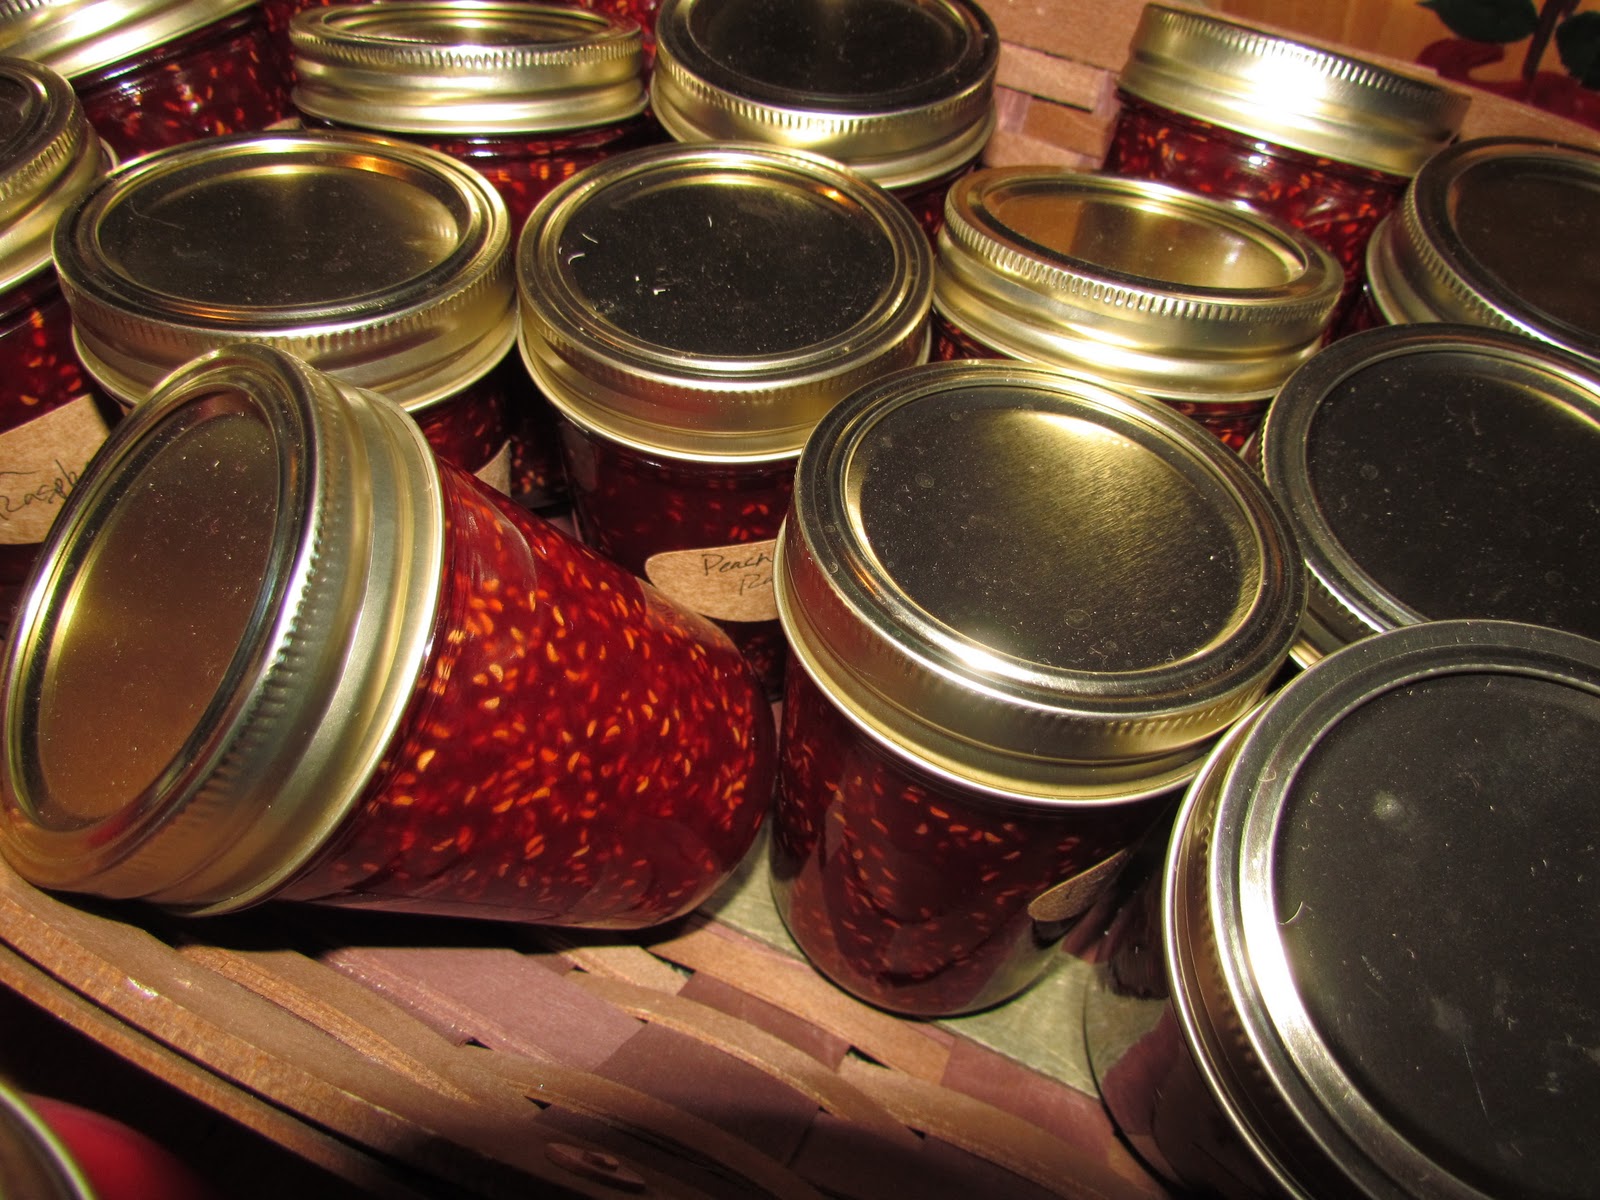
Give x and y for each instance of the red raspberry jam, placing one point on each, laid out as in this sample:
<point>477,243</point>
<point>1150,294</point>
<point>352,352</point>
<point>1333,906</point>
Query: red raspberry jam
<point>1020,607</point>
<point>158,75</point>
<point>385,685</point>
<point>690,311</point>
<point>1198,302</point>
<point>1322,140</point>
<point>527,95</point>
<point>52,419</point>
<point>389,266</point>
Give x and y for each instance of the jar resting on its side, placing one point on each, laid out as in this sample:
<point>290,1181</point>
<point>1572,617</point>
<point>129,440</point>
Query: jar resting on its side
<point>1021,605</point>
<point>691,311</point>
<point>1199,302</point>
<point>276,649</point>
<point>526,94</point>
<point>52,418</point>
<point>157,72</point>
<point>1318,138</point>
<point>386,264</point>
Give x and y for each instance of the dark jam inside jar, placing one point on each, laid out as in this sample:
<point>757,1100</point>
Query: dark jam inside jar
<point>632,506</point>
<point>926,200</point>
<point>913,892</point>
<point>226,77</point>
<point>472,427</point>
<point>42,378</point>
<point>1337,204</point>
<point>576,751</point>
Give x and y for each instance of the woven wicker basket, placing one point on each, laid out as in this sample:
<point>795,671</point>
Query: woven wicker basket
<point>408,1058</point>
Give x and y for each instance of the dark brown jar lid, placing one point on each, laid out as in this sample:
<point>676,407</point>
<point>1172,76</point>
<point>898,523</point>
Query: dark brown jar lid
<point>1439,471</point>
<point>1380,911</point>
<point>901,92</point>
<point>1502,232</point>
<point>1031,582</point>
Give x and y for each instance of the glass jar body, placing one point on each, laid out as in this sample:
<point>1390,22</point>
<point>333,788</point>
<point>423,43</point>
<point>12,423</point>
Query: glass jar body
<point>715,522</point>
<point>926,200</point>
<point>575,752</point>
<point>52,419</point>
<point>472,427</point>
<point>226,77</point>
<point>1234,422</point>
<point>1338,204</point>
<point>916,893</point>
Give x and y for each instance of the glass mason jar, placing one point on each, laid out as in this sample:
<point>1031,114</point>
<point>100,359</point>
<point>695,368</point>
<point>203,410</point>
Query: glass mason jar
<point>1498,232</point>
<point>691,311</point>
<point>1198,302</point>
<point>1323,140</point>
<point>902,93</point>
<point>1439,471</point>
<point>384,263</point>
<point>154,73</point>
<point>1021,605</point>
<point>51,417</point>
<point>526,94</point>
<point>1368,963</point>
<point>381,683</point>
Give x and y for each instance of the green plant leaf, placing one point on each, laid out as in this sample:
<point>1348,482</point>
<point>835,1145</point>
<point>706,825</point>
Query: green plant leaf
<point>1499,21</point>
<point>1578,43</point>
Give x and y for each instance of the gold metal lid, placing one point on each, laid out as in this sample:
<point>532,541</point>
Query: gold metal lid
<point>902,92</point>
<point>1439,471</point>
<point>467,67</point>
<point>34,1162</point>
<point>384,263</point>
<point>1033,583</point>
<point>79,36</point>
<point>1290,93</point>
<point>1502,232</point>
<point>1379,908</point>
<point>49,156</point>
<point>715,300</point>
<point>220,636</point>
<point>1154,287</point>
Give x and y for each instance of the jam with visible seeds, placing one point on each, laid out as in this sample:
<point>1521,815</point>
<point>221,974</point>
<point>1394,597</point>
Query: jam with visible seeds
<point>912,892</point>
<point>226,77</point>
<point>1336,203</point>
<point>576,751</point>
<point>630,505</point>
<point>472,426</point>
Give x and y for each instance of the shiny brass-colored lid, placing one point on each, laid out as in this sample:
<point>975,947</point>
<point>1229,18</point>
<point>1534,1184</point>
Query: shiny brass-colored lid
<point>1380,919</point>
<point>715,300</point>
<point>35,1164</point>
<point>1179,295</point>
<point>900,90</point>
<point>466,67</point>
<point>77,37</point>
<point>384,263</point>
<point>220,637</point>
<point>1502,232</point>
<point>1290,93</point>
<point>1439,471</point>
<point>49,156</point>
<point>1031,582</point>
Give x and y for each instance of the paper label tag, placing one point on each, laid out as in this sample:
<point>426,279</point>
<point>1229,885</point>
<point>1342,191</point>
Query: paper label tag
<point>1073,897</point>
<point>40,464</point>
<point>497,471</point>
<point>726,583</point>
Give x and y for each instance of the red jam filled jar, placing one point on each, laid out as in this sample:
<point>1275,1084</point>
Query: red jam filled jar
<point>386,264</point>
<point>1320,139</point>
<point>51,418</point>
<point>691,311</point>
<point>1435,472</point>
<point>380,683</point>
<point>157,72</point>
<point>1497,232</point>
<point>1021,606</point>
<point>1196,301</point>
<point>1369,959</point>
<point>902,93</point>
<point>526,94</point>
